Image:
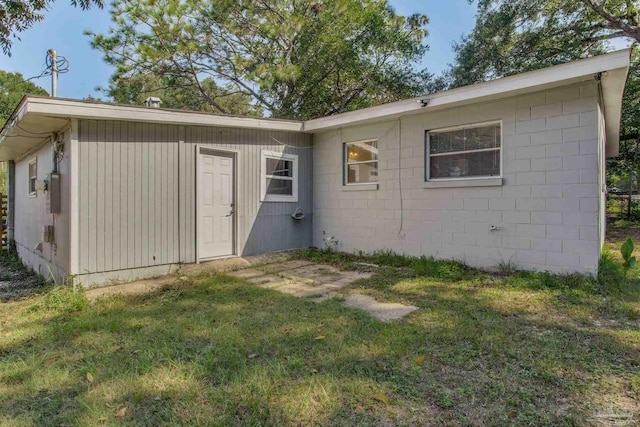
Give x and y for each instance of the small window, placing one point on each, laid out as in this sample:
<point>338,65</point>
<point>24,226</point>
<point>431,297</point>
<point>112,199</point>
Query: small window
<point>33,176</point>
<point>464,152</point>
<point>279,177</point>
<point>361,162</point>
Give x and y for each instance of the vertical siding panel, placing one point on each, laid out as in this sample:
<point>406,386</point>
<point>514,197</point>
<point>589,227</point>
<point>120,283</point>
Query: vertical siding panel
<point>91,200</point>
<point>116,173</point>
<point>83,147</point>
<point>173,155</point>
<point>185,169</point>
<point>139,221</point>
<point>125,188</point>
<point>100,205</point>
<point>166,209</point>
<point>110,128</point>
<point>192,197</point>
<point>134,195</point>
<point>157,201</point>
<point>147,226</point>
<point>181,195</point>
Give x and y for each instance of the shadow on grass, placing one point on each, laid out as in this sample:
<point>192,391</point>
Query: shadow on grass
<point>218,351</point>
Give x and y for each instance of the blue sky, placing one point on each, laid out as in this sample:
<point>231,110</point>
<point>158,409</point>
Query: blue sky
<point>63,26</point>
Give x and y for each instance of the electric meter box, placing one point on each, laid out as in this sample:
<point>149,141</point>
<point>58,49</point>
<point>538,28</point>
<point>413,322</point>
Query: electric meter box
<point>53,193</point>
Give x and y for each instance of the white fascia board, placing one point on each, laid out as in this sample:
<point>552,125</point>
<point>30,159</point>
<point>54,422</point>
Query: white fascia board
<point>96,111</point>
<point>613,84</point>
<point>520,83</point>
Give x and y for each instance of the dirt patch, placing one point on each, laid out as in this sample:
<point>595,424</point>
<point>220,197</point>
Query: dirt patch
<point>617,235</point>
<point>16,281</point>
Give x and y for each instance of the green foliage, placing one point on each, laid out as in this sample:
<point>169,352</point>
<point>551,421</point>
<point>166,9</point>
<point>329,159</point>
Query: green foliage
<point>511,37</point>
<point>294,59</point>
<point>626,250</point>
<point>12,89</point>
<point>516,36</point>
<point>63,299</point>
<point>480,350</point>
<point>178,94</point>
<point>610,274</point>
<point>19,15</point>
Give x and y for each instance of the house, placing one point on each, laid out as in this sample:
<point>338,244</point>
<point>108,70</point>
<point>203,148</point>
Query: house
<point>510,170</point>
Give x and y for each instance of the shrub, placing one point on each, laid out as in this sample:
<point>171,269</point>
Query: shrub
<point>63,299</point>
<point>627,255</point>
<point>610,272</point>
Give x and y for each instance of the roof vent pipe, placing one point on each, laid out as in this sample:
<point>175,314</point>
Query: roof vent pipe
<point>153,102</point>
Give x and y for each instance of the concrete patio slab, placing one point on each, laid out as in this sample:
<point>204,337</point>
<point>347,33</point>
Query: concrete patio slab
<point>248,273</point>
<point>299,278</point>
<point>133,288</point>
<point>284,266</point>
<point>380,310</point>
<point>269,281</point>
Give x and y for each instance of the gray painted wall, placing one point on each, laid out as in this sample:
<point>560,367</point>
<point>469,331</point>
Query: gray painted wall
<point>137,193</point>
<point>31,215</point>
<point>546,211</point>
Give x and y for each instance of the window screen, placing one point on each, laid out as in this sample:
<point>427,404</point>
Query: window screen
<point>472,151</point>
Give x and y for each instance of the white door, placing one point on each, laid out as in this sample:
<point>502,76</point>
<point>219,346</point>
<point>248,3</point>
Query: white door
<point>216,204</point>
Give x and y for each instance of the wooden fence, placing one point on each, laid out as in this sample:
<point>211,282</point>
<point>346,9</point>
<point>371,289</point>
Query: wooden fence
<point>3,220</point>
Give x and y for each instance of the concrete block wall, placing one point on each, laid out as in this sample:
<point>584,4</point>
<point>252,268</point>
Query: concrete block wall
<point>544,215</point>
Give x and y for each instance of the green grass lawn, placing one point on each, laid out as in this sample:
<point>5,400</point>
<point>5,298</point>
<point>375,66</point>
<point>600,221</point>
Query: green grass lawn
<point>524,349</point>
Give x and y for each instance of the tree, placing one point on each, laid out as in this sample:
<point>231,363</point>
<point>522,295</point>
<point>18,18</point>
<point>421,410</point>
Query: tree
<point>521,35</point>
<point>12,88</point>
<point>180,94</point>
<point>293,58</point>
<point>19,15</point>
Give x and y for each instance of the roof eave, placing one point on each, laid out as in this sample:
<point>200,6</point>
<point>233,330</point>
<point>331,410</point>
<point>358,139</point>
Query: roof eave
<point>103,111</point>
<point>546,78</point>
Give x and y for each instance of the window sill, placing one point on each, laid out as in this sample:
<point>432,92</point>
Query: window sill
<point>32,195</point>
<point>360,187</point>
<point>453,183</point>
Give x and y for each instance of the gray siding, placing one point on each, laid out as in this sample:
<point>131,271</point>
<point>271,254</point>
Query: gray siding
<point>137,192</point>
<point>31,215</point>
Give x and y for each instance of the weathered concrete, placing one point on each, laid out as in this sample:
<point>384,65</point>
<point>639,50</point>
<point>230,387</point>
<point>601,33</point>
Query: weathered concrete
<point>299,278</point>
<point>380,310</point>
<point>134,288</point>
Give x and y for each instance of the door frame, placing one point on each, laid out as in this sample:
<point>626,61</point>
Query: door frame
<point>234,154</point>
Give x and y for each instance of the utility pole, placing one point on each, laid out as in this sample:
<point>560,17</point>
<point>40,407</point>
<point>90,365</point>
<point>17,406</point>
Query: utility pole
<point>54,71</point>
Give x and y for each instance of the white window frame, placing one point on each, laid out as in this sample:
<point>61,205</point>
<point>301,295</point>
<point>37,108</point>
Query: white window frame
<point>34,192</point>
<point>345,168</point>
<point>427,154</point>
<point>264,197</point>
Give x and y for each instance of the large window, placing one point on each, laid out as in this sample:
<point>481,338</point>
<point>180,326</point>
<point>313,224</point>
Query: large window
<point>279,177</point>
<point>33,176</point>
<point>464,152</point>
<point>361,162</point>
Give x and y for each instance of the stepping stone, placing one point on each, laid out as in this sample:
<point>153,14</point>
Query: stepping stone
<point>284,266</point>
<point>249,273</point>
<point>302,290</point>
<point>269,281</point>
<point>382,311</point>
